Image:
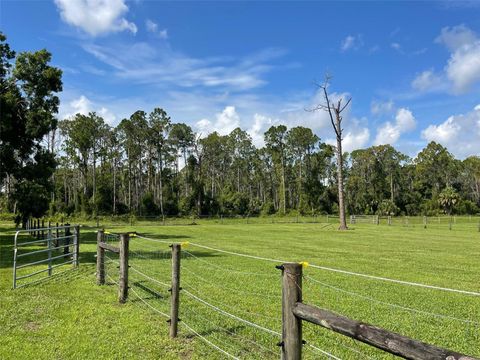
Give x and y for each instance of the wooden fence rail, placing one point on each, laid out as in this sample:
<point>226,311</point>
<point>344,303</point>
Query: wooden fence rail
<point>294,311</point>
<point>122,250</point>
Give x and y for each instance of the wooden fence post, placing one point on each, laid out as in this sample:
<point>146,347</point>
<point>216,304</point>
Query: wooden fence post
<point>57,243</point>
<point>123,280</point>
<point>66,241</point>
<point>49,243</point>
<point>175,290</point>
<point>100,259</point>
<point>291,325</point>
<point>76,244</point>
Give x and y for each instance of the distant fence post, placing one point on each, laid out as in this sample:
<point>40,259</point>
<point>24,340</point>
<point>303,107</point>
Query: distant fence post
<point>175,290</point>
<point>66,240</point>
<point>123,281</point>
<point>57,243</point>
<point>49,243</point>
<point>291,325</point>
<point>76,245</point>
<point>389,220</point>
<point>100,259</point>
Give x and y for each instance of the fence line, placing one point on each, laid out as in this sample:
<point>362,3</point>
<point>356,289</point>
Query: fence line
<point>390,304</point>
<point>371,335</point>
<point>269,295</point>
<point>295,311</point>
<point>209,342</point>
<point>373,277</point>
<point>226,269</point>
<point>272,332</point>
<point>331,356</point>
<point>243,338</point>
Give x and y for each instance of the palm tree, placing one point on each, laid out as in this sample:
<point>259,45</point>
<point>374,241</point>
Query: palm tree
<point>447,199</point>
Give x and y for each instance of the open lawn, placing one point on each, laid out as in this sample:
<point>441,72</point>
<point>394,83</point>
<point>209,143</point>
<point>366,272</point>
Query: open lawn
<point>70,317</point>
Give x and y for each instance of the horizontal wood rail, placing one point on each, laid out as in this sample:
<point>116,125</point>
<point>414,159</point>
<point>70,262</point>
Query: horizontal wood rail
<point>109,247</point>
<point>294,311</point>
<point>388,341</point>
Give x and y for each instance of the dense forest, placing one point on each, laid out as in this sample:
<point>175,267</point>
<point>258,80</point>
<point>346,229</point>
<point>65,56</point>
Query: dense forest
<point>151,165</point>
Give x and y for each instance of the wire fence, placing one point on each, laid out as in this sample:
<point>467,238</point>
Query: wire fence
<point>232,302</point>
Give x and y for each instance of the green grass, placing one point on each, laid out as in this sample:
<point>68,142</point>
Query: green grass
<point>69,317</point>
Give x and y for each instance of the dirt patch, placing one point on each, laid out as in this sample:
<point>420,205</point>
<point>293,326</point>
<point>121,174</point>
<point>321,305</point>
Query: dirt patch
<point>31,326</point>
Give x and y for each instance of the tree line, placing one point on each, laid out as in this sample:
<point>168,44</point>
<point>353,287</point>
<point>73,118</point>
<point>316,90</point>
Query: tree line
<point>149,164</point>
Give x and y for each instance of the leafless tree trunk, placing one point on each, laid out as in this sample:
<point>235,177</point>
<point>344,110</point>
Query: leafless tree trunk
<point>335,113</point>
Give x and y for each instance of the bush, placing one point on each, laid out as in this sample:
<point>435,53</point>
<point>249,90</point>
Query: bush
<point>387,207</point>
<point>467,207</point>
<point>268,208</point>
<point>148,205</point>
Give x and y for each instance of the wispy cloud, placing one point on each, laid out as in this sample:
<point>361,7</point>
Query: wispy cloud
<point>352,42</point>
<point>153,28</point>
<point>142,63</point>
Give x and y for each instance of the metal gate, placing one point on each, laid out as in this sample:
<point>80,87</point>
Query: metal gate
<point>38,252</point>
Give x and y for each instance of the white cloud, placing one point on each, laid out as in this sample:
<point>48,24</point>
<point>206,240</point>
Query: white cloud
<point>455,37</point>
<point>389,133</point>
<point>355,135</point>
<point>459,133</point>
<point>160,65</point>
<point>405,120</point>
<point>396,46</point>
<point>260,125</point>
<point>462,70</point>
<point>83,105</point>
<point>153,28</point>
<point>352,42</point>
<point>96,16</point>
<point>354,140</point>
<point>427,80</point>
<point>381,107</point>
<point>225,122</point>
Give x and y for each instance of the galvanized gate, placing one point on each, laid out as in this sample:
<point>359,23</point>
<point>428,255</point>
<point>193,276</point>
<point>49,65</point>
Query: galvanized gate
<point>45,249</point>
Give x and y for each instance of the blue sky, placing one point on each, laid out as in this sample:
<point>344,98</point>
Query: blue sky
<point>411,68</point>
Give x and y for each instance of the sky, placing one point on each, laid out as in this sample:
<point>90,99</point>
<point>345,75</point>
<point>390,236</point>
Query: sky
<point>412,69</point>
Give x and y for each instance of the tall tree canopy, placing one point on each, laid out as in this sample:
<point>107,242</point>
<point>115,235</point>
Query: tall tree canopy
<point>28,104</point>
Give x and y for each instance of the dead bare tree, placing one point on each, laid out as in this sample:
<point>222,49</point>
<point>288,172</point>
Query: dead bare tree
<point>335,113</point>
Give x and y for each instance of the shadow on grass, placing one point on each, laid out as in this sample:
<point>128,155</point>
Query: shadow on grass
<point>226,331</point>
<point>154,295</point>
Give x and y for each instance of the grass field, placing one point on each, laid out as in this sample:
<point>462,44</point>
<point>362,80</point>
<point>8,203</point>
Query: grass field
<point>69,317</point>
